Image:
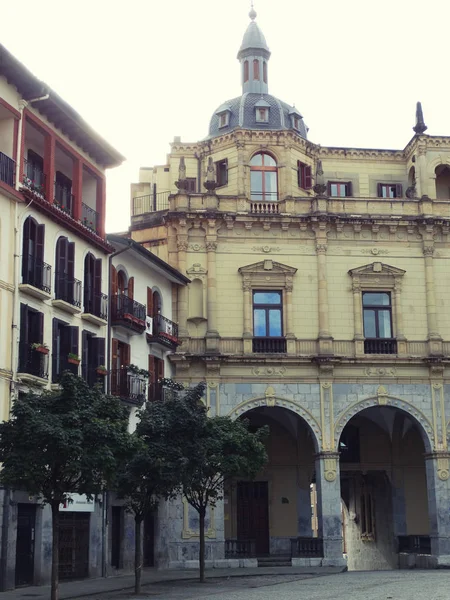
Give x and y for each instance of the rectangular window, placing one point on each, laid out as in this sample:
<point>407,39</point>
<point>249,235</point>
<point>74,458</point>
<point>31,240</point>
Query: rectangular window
<point>64,349</point>
<point>222,172</point>
<point>223,119</point>
<point>93,357</point>
<point>304,175</point>
<point>337,189</point>
<point>191,185</point>
<point>267,314</point>
<point>377,317</point>
<point>389,190</point>
<point>256,69</point>
<point>33,354</point>
<point>262,115</point>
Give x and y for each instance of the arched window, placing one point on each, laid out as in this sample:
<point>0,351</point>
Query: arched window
<point>34,270</point>
<point>442,182</point>
<point>64,273</point>
<point>256,69</point>
<point>122,287</point>
<point>263,178</point>
<point>245,71</point>
<point>157,304</point>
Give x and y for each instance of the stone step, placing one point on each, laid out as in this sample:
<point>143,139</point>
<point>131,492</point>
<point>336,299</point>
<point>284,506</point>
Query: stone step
<point>275,561</point>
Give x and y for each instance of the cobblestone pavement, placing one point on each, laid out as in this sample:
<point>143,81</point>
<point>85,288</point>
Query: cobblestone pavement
<point>381,585</point>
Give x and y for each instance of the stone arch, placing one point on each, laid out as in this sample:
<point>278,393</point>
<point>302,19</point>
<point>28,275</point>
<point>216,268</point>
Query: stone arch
<point>290,405</point>
<point>441,159</point>
<point>417,416</point>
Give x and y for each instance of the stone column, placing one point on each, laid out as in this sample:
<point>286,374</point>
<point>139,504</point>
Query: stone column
<point>434,339</point>
<point>212,334</point>
<point>421,173</point>
<point>329,508</point>
<point>325,339</point>
<point>438,483</point>
<point>398,321</point>
<point>240,168</point>
<point>357,317</point>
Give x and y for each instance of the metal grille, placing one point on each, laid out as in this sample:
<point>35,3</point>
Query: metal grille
<point>73,545</point>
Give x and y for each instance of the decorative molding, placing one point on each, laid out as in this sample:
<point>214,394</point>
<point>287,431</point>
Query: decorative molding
<point>380,371</point>
<point>196,247</point>
<point>375,251</point>
<point>266,249</point>
<point>188,533</point>
<point>269,371</point>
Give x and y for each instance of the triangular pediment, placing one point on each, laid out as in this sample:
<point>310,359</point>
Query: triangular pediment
<point>377,268</point>
<point>267,266</point>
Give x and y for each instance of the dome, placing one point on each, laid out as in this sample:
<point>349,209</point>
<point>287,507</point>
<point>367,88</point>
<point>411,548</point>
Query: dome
<point>242,115</point>
<point>253,40</point>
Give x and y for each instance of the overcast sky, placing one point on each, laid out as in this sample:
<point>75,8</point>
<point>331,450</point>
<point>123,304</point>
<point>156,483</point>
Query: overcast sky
<point>143,71</point>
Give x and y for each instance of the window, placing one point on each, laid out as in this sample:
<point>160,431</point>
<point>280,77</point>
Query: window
<point>156,373</point>
<point>93,356</point>
<point>337,189</point>
<point>93,297</point>
<point>263,178</point>
<point>389,190</point>
<point>267,314</point>
<point>34,271</point>
<point>296,123</point>
<point>304,176</point>
<point>377,317</point>
<point>367,515</point>
<point>63,192</point>
<point>119,373</point>
<point>34,168</point>
<point>265,72</point>
<point>33,359</point>
<point>262,115</point>
<point>256,69</point>
<point>224,119</point>
<point>246,75</point>
<point>65,342</point>
<point>222,172</point>
<point>66,287</point>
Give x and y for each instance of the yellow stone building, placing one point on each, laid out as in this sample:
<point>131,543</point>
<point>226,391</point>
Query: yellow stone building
<point>318,305</point>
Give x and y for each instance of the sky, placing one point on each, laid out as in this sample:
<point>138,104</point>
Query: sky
<point>143,71</point>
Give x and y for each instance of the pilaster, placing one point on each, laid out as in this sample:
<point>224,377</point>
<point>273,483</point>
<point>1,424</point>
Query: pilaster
<point>434,338</point>
<point>325,339</point>
<point>438,483</point>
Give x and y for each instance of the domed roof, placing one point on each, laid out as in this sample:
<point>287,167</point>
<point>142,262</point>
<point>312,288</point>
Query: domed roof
<point>242,115</point>
<point>253,40</point>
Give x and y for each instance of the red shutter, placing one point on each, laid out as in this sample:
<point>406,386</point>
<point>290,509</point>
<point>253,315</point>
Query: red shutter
<point>379,190</point>
<point>114,281</point>
<point>398,190</point>
<point>299,173</point>
<point>151,368</point>
<point>160,369</point>
<point>114,352</point>
<point>329,188</point>
<point>349,189</point>
<point>308,177</point>
<point>149,302</point>
<point>126,354</point>
<point>131,288</point>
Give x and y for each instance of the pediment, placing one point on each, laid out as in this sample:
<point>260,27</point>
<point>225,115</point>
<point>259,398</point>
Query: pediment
<point>267,266</point>
<point>377,269</point>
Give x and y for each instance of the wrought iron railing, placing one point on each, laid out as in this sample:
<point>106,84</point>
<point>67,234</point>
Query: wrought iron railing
<point>89,217</point>
<point>128,311</point>
<point>37,273</point>
<point>64,199</point>
<point>128,386</point>
<point>32,361</point>
<point>164,331</point>
<point>95,303</point>
<point>60,364</point>
<point>33,177</point>
<point>156,392</point>
<point>92,375</point>
<point>150,203</point>
<point>307,547</point>
<point>380,346</point>
<point>7,170</point>
<point>68,289</point>
<point>269,345</point>
<point>240,548</point>
<point>414,544</point>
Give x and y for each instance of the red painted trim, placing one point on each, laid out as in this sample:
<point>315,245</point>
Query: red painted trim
<point>15,142</point>
<point>19,175</point>
<point>49,167</point>
<point>14,111</point>
<point>6,189</point>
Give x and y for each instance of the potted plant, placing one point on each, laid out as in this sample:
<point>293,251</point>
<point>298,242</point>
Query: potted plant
<point>101,370</point>
<point>40,347</point>
<point>73,359</point>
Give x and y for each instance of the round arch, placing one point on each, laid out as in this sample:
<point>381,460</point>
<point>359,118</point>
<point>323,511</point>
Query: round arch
<point>289,405</point>
<point>416,415</point>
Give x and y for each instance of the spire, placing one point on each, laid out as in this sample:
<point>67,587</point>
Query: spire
<point>253,55</point>
<point>420,126</point>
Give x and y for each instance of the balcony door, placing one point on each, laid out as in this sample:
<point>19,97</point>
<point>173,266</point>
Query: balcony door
<point>33,253</point>
<point>65,342</point>
<point>31,332</point>
<point>92,284</point>
<point>253,514</point>
<point>64,274</point>
<point>119,374</point>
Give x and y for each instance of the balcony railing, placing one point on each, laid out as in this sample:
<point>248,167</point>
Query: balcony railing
<point>307,547</point>
<point>414,544</point>
<point>33,178</point>
<point>269,345</point>
<point>163,331</point>
<point>92,376</point>
<point>64,199</point>
<point>380,346</point>
<point>7,170</point>
<point>89,217</point>
<point>157,392</point>
<point>32,362</point>
<point>37,273</point>
<point>126,311</point>
<point>240,548</point>
<point>264,208</point>
<point>68,289</point>
<point>129,387</point>
<point>95,304</point>
<point>150,203</point>
<point>60,364</point>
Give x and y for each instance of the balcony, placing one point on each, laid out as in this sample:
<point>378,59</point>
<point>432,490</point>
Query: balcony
<point>33,178</point>
<point>128,314</point>
<point>36,277</point>
<point>380,346</point>
<point>64,199</point>
<point>67,293</point>
<point>306,547</point>
<point>63,363</point>
<point>264,208</point>
<point>269,345</point>
<point>32,363</point>
<point>157,392</point>
<point>90,218</point>
<point>95,307</point>
<point>414,544</point>
<point>128,387</point>
<point>150,203</point>
<point>240,548</point>
<point>93,375</point>
<point>7,170</point>
<point>162,331</point>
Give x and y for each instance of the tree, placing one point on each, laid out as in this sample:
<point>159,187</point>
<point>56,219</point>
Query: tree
<point>57,442</point>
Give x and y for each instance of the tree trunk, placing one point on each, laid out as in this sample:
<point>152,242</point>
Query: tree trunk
<point>55,551</point>
<point>137,554</point>
<point>202,513</point>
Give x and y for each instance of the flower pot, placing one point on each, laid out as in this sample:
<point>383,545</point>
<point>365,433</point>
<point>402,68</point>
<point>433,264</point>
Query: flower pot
<point>42,350</point>
<point>73,361</point>
<point>102,372</point>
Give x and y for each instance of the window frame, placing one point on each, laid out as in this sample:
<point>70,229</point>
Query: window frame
<point>264,169</point>
<point>267,308</point>
<point>222,176</point>
<point>397,189</point>
<point>346,185</point>
<point>258,117</point>
<point>377,308</point>
<point>304,175</point>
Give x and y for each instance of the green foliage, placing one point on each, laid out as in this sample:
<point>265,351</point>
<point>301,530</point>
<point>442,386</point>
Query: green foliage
<point>68,440</point>
<point>135,370</point>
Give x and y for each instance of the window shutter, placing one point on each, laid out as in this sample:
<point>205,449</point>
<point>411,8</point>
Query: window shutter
<point>225,182</point>
<point>71,259</point>
<point>85,355</point>
<point>149,302</point>
<point>98,276</point>
<point>399,190</point>
<point>349,189</point>
<point>56,349</point>
<point>114,353</point>
<point>131,288</point>
<point>160,369</point>
<point>73,340</point>
<point>379,190</point>
<point>156,304</point>
<point>24,330</point>
<point>114,281</point>
<point>308,177</point>
<point>40,320</point>
<point>126,354</point>
<point>329,188</point>
<point>151,368</point>
<point>101,354</point>
<point>40,242</point>
<point>61,256</point>
<point>299,173</point>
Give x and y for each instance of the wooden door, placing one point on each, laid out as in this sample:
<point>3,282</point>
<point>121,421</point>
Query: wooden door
<point>116,536</point>
<point>26,522</point>
<point>253,514</point>
<point>149,540</point>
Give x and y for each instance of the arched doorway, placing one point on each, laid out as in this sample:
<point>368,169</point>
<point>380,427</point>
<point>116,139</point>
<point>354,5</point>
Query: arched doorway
<point>383,488</point>
<point>263,517</point>
<point>442,182</point>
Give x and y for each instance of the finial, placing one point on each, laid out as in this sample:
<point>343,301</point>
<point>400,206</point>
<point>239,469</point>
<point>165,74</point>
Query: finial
<point>420,126</point>
<point>320,187</point>
<point>252,13</point>
<point>210,183</point>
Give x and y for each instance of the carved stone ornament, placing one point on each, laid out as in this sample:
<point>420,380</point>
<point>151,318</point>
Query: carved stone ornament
<point>265,249</point>
<point>267,270</point>
<point>382,395</point>
<point>443,468</point>
<point>428,250</point>
<point>270,396</point>
<point>269,371</point>
<point>380,372</point>
<point>320,187</point>
<point>210,183</point>
<point>182,181</point>
<point>330,468</point>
